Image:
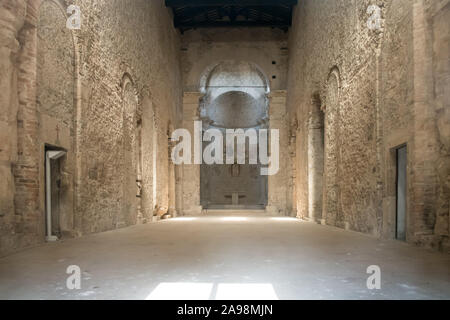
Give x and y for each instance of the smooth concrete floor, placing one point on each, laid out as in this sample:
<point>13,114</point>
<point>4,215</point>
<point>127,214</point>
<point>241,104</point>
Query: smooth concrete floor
<point>226,258</point>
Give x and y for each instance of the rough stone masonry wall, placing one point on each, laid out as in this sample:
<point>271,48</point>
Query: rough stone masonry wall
<point>134,37</point>
<point>12,19</point>
<point>203,49</point>
<point>55,97</point>
<point>333,56</point>
<point>378,90</point>
<point>123,44</point>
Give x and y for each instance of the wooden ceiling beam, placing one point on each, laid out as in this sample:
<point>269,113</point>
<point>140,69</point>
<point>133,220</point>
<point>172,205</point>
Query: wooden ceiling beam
<point>227,24</point>
<point>215,3</point>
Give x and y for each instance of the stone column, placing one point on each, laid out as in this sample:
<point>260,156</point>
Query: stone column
<point>316,132</point>
<point>26,170</point>
<point>191,173</point>
<point>12,18</point>
<point>172,180</point>
<point>426,145</point>
<point>292,174</point>
<point>278,184</point>
<point>178,190</point>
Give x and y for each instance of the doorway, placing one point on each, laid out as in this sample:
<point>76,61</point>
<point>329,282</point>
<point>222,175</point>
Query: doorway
<point>53,186</point>
<point>401,185</point>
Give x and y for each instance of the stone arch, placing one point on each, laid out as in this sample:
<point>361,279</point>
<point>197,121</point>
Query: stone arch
<point>334,75</point>
<point>332,120</point>
<point>210,70</point>
<point>234,80</point>
<point>132,156</point>
<point>148,155</point>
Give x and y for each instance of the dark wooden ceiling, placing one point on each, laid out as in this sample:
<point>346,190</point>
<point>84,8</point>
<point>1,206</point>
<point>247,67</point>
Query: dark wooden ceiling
<point>191,14</point>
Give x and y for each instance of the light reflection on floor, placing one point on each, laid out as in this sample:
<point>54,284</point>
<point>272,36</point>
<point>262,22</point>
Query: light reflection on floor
<point>285,219</point>
<point>244,291</point>
<point>204,291</point>
<point>181,291</point>
<point>183,219</point>
<point>234,219</point>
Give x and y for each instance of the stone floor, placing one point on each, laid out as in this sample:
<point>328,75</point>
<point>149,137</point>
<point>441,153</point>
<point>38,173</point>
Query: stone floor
<point>226,258</point>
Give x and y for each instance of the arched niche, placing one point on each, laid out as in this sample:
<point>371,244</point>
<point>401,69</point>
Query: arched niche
<point>132,155</point>
<point>232,85</point>
<point>332,122</point>
<point>235,97</point>
<point>241,74</point>
<point>236,109</point>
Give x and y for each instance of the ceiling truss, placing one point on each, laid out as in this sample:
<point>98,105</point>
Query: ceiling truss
<point>193,14</point>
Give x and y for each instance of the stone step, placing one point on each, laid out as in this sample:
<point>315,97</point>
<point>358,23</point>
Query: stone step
<point>231,212</point>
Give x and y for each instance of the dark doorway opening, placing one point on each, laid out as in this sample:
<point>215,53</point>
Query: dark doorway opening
<point>53,184</point>
<point>401,185</point>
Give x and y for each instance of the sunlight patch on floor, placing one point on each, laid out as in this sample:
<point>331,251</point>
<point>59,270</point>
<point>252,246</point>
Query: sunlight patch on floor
<point>234,219</point>
<point>204,291</point>
<point>183,219</point>
<point>285,219</point>
<point>245,291</point>
<point>181,291</point>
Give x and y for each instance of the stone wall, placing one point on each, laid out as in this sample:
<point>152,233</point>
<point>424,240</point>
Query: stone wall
<point>333,59</point>
<point>204,49</point>
<point>106,94</point>
<point>12,18</point>
<point>55,102</point>
<point>111,93</point>
<point>137,38</point>
<point>378,91</point>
